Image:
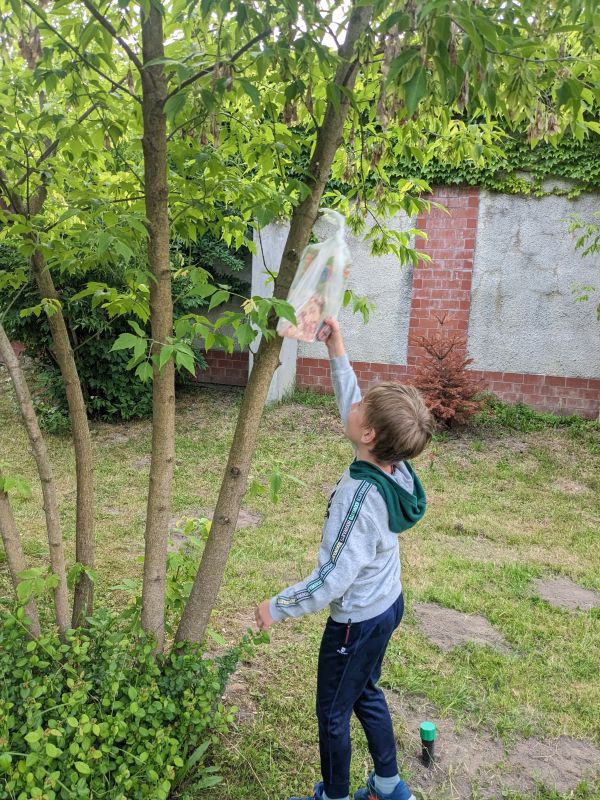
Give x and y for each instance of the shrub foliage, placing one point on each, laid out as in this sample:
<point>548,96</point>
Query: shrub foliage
<point>101,716</point>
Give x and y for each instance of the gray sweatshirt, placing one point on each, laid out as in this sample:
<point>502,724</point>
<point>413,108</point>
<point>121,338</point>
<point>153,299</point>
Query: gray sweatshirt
<point>358,569</point>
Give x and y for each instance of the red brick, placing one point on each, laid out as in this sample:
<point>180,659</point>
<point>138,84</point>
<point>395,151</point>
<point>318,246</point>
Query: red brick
<point>553,380</point>
<point>514,377</point>
<point>578,383</point>
<point>533,380</point>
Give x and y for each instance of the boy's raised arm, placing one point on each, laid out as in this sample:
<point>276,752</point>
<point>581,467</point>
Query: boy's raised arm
<point>344,380</point>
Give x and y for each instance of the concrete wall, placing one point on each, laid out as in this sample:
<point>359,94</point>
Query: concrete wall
<point>523,316</point>
<point>502,270</point>
<point>385,283</point>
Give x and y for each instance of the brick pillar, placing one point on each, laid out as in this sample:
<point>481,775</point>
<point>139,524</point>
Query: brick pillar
<point>444,283</point>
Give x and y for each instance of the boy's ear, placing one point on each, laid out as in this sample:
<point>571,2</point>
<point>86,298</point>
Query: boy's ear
<point>368,435</point>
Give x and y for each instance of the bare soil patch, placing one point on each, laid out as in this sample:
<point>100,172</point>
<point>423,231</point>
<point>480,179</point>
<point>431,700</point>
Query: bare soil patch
<point>448,628</point>
<point>111,511</point>
<point>237,693</point>
<point>472,763</point>
<point>563,593</point>
<point>246,518</point>
<point>116,437</point>
<point>560,764</point>
<point>142,463</point>
<point>463,760</point>
<point>570,487</point>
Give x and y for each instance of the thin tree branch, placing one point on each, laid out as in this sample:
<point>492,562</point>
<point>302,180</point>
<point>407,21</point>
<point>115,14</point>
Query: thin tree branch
<point>112,30</point>
<point>506,54</point>
<point>207,71</point>
<point>78,53</point>
<point>13,198</point>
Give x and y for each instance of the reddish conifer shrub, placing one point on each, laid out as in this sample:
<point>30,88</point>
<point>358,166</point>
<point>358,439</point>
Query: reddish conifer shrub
<point>448,388</point>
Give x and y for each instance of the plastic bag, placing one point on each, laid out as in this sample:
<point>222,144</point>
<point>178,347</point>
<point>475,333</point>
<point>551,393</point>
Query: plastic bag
<point>317,290</point>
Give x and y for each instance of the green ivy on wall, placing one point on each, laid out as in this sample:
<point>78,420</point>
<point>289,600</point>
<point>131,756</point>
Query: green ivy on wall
<point>540,171</point>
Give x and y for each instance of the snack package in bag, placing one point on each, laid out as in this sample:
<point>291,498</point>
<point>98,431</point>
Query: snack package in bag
<point>318,287</point>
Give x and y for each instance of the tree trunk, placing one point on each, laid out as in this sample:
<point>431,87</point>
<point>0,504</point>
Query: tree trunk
<point>15,557</point>
<point>84,538</point>
<point>154,142</point>
<point>40,453</point>
<point>233,487</point>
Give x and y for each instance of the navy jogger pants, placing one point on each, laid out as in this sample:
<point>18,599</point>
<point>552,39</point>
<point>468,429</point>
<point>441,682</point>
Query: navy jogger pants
<point>349,667</point>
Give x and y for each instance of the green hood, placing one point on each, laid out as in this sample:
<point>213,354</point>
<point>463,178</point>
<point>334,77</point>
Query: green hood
<point>404,508</point>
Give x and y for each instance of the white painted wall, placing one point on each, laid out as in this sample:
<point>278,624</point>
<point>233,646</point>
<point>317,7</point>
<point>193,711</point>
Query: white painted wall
<point>523,316</point>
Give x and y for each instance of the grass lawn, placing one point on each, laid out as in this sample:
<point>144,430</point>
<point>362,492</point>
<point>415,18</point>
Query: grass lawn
<point>506,507</point>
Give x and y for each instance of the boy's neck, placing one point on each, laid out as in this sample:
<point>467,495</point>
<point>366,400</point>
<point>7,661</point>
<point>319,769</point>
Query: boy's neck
<point>365,455</point>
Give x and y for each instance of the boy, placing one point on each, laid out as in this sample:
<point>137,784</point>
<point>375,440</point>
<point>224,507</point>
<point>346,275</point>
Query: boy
<point>358,575</point>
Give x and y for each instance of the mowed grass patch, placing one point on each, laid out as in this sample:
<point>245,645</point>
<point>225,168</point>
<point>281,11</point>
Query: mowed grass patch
<point>506,506</point>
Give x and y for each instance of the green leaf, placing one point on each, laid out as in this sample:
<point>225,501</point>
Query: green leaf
<point>218,297</point>
<point>256,489</point>
<point>399,18</point>
<point>186,360</point>
<point>82,768</point>
<point>275,485</point>
<point>34,736</point>
<point>174,105</point>
<point>24,592</point>
<point>245,334</point>
<point>125,342</point>
<point>104,241</point>
<point>414,90</point>
<point>144,371</point>
<point>398,64</point>
<point>132,323</point>
<point>165,354</point>
<point>216,637</point>
<point>73,574</point>
<point>52,751</point>
<point>201,749</point>
<point>250,90</point>
<point>285,310</point>
<point>209,100</point>
<point>139,349</point>
<point>15,485</point>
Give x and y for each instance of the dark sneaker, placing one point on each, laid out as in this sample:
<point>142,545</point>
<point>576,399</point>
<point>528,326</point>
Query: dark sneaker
<point>317,795</point>
<point>369,792</point>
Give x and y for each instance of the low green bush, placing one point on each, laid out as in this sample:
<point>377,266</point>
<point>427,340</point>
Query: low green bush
<point>100,716</point>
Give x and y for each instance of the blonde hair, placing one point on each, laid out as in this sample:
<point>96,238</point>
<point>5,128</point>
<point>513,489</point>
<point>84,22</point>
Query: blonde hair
<point>402,422</point>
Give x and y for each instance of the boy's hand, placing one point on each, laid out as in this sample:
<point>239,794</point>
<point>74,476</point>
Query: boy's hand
<point>262,613</point>
<point>334,341</point>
